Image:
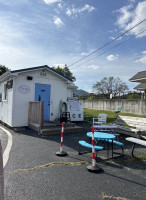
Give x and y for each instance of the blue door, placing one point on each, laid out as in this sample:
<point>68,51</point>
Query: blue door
<point>42,93</point>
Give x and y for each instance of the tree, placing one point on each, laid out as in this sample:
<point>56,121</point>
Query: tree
<point>110,85</point>
<point>3,69</point>
<point>65,71</point>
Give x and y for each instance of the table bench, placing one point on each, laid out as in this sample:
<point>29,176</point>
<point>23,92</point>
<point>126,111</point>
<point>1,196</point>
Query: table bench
<point>105,128</point>
<point>135,141</point>
<point>137,126</point>
<point>87,145</point>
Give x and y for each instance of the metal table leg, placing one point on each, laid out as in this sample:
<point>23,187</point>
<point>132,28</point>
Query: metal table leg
<point>112,148</point>
<point>133,150</point>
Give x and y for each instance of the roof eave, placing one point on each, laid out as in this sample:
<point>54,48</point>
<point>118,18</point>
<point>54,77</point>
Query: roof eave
<point>5,76</point>
<point>41,67</point>
<point>141,80</point>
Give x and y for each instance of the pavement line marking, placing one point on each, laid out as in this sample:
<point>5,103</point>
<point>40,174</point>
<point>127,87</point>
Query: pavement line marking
<point>49,165</point>
<point>8,147</point>
<point>104,196</point>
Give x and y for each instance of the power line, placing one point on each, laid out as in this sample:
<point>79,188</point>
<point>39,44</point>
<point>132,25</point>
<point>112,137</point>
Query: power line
<point>110,48</point>
<point>107,43</point>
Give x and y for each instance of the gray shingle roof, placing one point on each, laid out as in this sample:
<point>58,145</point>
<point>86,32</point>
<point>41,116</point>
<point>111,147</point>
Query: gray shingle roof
<point>141,86</point>
<point>138,77</point>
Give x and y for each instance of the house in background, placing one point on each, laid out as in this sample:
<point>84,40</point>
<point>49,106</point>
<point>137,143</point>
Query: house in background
<point>36,84</point>
<point>141,78</point>
<point>141,87</point>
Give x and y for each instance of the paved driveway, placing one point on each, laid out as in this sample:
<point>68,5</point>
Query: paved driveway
<point>34,172</point>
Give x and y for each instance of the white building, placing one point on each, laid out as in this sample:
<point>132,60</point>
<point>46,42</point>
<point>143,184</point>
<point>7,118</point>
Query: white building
<point>19,87</point>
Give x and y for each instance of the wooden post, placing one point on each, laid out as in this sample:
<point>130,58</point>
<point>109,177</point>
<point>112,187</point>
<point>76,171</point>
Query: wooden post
<point>41,116</point>
<point>29,111</point>
<point>36,114</point>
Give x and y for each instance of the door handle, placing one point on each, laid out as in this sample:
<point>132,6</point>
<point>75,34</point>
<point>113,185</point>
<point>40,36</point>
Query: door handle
<point>39,98</point>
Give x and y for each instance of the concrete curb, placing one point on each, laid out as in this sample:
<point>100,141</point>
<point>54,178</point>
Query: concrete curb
<point>1,175</point>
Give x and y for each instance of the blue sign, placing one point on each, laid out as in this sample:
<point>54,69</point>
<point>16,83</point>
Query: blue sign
<point>74,115</point>
<point>79,115</point>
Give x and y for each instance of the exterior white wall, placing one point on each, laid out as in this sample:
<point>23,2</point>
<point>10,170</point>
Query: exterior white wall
<point>59,91</point>
<point>6,105</point>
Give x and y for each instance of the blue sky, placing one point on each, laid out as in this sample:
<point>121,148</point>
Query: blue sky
<point>59,32</point>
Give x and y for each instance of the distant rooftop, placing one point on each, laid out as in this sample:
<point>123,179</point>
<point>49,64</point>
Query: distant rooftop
<point>139,77</point>
<point>141,86</point>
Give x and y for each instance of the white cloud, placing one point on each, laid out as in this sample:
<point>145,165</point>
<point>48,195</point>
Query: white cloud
<point>144,52</point>
<point>14,3</point>
<point>112,38</point>
<point>130,16</point>
<point>132,1</point>
<point>111,57</point>
<point>68,12</point>
<point>51,1</point>
<point>142,60</point>
<point>75,11</point>
<point>60,5</point>
<point>18,57</point>
<point>126,15</point>
<point>94,67</point>
<point>86,53</point>
<point>58,22</point>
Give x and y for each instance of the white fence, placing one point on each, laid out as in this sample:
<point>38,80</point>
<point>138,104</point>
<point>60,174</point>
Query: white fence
<point>128,106</point>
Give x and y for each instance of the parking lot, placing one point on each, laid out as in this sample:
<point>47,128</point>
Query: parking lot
<point>34,172</point>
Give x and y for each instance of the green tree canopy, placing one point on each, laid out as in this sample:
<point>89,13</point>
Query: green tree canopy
<point>3,69</point>
<point>65,71</point>
<point>110,85</point>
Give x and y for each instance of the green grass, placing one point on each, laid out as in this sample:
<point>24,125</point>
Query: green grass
<point>111,116</point>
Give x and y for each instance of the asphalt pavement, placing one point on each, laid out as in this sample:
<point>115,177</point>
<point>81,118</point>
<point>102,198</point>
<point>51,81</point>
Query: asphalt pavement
<point>34,172</point>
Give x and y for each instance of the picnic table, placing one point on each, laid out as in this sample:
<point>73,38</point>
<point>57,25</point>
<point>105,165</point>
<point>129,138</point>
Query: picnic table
<point>103,136</point>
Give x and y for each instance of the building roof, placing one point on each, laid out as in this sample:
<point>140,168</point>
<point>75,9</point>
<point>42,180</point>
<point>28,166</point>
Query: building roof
<point>139,77</point>
<point>40,67</point>
<point>13,72</point>
<point>141,86</point>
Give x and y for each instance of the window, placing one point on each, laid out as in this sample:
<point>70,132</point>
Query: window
<point>5,91</point>
<point>43,74</point>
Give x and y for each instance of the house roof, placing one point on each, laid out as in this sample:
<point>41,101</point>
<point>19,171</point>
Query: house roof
<point>139,77</point>
<point>40,67</point>
<point>141,86</point>
<point>9,73</point>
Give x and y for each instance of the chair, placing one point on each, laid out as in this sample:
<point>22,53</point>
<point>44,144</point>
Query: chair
<point>65,117</point>
<point>100,120</point>
<point>118,109</point>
